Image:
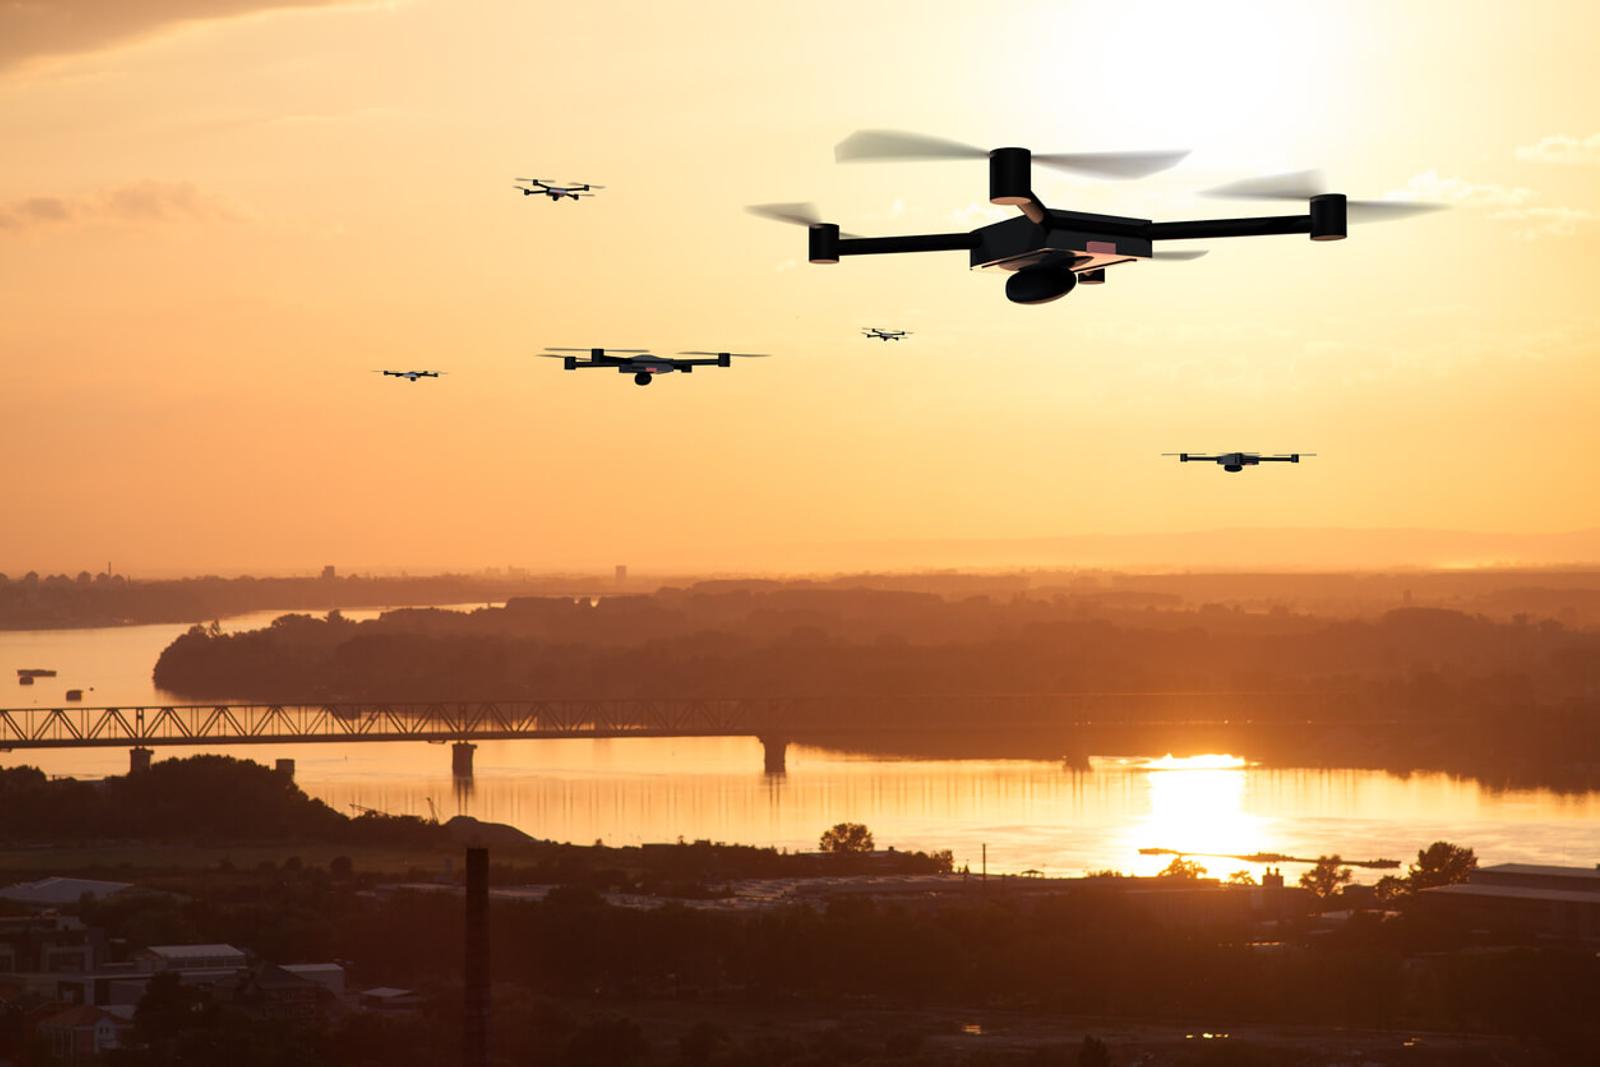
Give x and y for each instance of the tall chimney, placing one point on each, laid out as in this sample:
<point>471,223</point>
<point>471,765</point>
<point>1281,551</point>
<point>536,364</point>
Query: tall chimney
<point>475,1020</point>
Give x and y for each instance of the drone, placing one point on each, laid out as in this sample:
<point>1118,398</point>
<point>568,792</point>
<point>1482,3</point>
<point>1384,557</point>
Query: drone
<point>1048,251</point>
<point>545,187</point>
<point>641,364</point>
<point>1234,462</point>
<point>884,335</point>
<point>409,375</point>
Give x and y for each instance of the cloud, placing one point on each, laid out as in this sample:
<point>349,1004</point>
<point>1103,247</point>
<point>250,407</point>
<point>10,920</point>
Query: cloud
<point>33,28</point>
<point>1507,203</point>
<point>134,204</point>
<point>1562,148</point>
<point>1546,221</point>
<point>1430,185</point>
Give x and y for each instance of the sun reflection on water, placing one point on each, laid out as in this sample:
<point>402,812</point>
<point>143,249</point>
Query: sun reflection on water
<point>1196,804</point>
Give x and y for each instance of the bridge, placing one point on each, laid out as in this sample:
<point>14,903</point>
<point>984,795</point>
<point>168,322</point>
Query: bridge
<point>772,720</point>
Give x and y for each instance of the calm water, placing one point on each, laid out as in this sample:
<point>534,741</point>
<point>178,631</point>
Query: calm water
<point>1030,813</point>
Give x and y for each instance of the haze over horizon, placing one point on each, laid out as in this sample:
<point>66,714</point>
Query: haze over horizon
<point>227,215</point>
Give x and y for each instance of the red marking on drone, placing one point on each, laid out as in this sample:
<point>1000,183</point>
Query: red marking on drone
<point>1103,247</point>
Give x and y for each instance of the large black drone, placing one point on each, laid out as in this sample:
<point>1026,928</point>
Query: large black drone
<point>1049,251</point>
<point>545,187</point>
<point>1234,462</point>
<point>641,364</point>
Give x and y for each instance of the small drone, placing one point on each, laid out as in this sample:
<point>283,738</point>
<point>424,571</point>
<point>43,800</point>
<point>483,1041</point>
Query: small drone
<point>409,375</point>
<point>641,364</point>
<point>884,335</point>
<point>1049,251</point>
<point>545,187</point>
<point>1234,462</point>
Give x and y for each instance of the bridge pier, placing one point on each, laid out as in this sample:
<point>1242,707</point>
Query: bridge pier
<point>139,759</point>
<point>461,758</point>
<point>774,755</point>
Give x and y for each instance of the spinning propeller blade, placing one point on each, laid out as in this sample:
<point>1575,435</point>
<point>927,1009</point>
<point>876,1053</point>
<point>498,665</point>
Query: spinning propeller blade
<point>1178,255</point>
<point>878,145</point>
<point>736,355</point>
<point>1305,184</point>
<point>800,213</point>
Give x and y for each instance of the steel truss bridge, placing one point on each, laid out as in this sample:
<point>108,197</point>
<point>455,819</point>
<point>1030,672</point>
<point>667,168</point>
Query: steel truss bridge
<point>766,718</point>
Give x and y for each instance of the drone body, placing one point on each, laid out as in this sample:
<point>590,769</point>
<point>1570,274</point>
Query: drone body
<point>546,188</point>
<point>641,364</point>
<point>410,375</point>
<point>1234,462</point>
<point>884,335</point>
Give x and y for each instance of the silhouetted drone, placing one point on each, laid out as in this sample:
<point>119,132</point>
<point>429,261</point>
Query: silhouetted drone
<point>641,364</point>
<point>884,335</point>
<point>1049,251</point>
<point>1235,462</point>
<point>545,187</point>
<point>409,375</point>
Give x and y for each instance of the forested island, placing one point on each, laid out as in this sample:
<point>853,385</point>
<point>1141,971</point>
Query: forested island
<point>1454,689</point>
<point>60,601</point>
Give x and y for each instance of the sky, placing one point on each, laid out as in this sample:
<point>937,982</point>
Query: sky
<point>217,218</point>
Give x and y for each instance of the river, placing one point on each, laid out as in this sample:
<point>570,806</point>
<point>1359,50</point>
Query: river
<point>1030,814</point>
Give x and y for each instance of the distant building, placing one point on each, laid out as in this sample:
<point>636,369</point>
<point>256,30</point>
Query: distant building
<point>328,975</point>
<point>328,573</point>
<point>81,1033</point>
<point>158,958</point>
<point>46,945</point>
<point>1525,900</point>
<point>388,998</point>
<point>60,892</point>
<point>622,573</point>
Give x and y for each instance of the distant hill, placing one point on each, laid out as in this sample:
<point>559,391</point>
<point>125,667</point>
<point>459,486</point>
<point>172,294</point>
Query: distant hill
<point>1323,548</point>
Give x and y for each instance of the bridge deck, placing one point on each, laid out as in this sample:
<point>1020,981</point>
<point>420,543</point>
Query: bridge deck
<point>233,724</point>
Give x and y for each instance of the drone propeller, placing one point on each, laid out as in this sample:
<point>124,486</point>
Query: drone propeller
<point>736,355</point>
<point>801,213</point>
<point>879,145</point>
<point>1305,184</point>
<point>1178,255</point>
<point>591,348</point>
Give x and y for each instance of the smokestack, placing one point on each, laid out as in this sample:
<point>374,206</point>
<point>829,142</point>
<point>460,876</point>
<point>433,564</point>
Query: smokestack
<point>475,1020</point>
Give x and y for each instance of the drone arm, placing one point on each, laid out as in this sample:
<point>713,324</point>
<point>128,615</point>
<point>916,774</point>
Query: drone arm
<point>1206,228</point>
<point>922,242</point>
<point>1326,222</point>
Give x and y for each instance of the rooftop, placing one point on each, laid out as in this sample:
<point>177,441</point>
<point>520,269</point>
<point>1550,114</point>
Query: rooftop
<point>191,952</point>
<point>57,891</point>
<point>1517,892</point>
<point>1543,871</point>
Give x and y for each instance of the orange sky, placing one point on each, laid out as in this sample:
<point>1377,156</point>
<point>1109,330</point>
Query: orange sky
<point>212,228</point>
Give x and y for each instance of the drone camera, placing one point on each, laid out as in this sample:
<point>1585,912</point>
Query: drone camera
<point>1040,285</point>
<point>1010,182</point>
<point>1328,217</point>
<point>824,242</point>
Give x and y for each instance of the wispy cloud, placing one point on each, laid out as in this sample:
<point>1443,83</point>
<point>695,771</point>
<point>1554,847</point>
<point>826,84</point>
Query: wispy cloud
<point>1459,192</point>
<point>1539,222</point>
<point>33,28</point>
<point>134,204</point>
<point>1563,148</point>
<point>1506,203</point>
